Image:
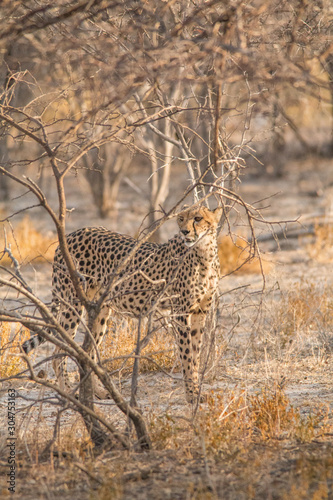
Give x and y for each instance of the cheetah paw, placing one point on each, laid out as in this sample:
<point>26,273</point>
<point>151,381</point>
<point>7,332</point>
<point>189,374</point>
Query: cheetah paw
<point>195,398</point>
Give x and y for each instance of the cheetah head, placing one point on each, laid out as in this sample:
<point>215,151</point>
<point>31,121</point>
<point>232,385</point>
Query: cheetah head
<point>198,223</point>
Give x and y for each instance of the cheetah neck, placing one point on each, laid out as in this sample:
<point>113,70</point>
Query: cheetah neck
<point>205,253</point>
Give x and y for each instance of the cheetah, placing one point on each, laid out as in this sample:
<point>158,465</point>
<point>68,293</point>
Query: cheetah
<point>181,275</point>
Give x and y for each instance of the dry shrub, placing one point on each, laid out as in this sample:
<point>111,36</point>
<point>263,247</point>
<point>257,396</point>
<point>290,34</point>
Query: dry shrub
<point>275,418</point>
<point>11,337</point>
<point>27,243</point>
<point>166,431</point>
<point>272,415</point>
<point>234,256</point>
<point>198,490</point>
<point>224,425</point>
<point>233,421</point>
<point>321,249</point>
<point>120,343</point>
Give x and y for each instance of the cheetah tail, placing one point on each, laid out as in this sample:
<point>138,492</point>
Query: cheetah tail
<point>32,343</point>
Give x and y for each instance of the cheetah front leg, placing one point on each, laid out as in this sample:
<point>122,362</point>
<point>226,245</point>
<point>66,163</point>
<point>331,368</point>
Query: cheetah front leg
<point>98,332</point>
<point>190,333</point>
<point>197,326</point>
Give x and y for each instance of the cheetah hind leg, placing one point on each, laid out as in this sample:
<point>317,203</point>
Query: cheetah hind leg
<point>69,320</point>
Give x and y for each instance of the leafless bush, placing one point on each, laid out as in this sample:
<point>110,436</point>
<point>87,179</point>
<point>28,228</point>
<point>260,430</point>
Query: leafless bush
<point>172,82</point>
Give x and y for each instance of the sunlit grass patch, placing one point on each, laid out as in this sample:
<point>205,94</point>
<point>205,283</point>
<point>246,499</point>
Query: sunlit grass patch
<point>27,243</point>
<point>120,342</point>
<point>321,249</point>
<point>233,420</point>
<point>11,337</point>
<point>234,256</point>
<point>274,417</point>
<point>305,308</point>
<point>224,424</point>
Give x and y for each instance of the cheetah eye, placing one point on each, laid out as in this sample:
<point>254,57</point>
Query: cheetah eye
<point>180,219</point>
<point>198,219</point>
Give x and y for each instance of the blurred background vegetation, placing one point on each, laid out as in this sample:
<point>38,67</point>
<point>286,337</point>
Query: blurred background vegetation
<point>118,89</point>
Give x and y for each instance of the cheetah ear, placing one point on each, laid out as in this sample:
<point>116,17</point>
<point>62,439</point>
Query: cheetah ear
<point>217,214</point>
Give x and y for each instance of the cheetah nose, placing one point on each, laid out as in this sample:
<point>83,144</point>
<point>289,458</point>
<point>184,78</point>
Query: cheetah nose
<point>185,232</point>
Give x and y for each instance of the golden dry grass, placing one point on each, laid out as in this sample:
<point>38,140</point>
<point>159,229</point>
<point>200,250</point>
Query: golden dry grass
<point>321,250</point>
<point>234,420</point>
<point>306,308</point>
<point>120,342</point>
<point>235,257</point>
<point>235,423</point>
<point>11,337</point>
<point>27,243</point>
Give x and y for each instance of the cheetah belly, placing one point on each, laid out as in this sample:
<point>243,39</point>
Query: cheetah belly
<point>138,293</point>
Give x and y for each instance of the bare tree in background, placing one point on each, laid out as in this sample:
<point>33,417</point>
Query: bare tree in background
<point>213,55</point>
<point>105,169</point>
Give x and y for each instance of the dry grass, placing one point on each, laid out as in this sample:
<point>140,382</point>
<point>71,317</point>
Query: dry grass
<point>321,250</point>
<point>235,420</point>
<point>245,440</point>
<point>232,422</point>
<point>238,446</point>
<point>11,337</point>
<point>120,342</point>
<point>306,309</point>
<point>297,471</point>
<point>27,243</point>
<point>235,257</point>
<point>273,416</point>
